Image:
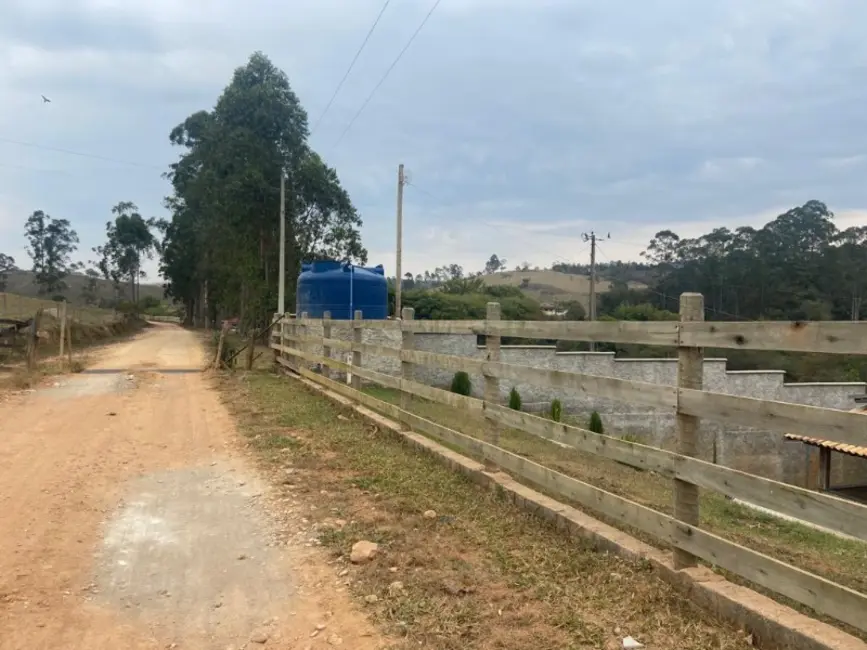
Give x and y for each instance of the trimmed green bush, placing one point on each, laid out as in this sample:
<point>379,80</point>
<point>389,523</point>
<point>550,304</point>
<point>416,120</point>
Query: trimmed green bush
<point>461,383</point>
<point>514,399</point>
<point>596,423</point>
<point>556,410</point>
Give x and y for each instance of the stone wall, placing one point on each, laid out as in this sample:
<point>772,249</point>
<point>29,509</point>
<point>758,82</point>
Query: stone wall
<point>765,453</point>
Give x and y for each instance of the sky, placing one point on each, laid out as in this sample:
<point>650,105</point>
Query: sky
<point>522,124</point>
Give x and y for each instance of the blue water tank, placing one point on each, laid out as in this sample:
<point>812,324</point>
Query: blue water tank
<point>341,288</point>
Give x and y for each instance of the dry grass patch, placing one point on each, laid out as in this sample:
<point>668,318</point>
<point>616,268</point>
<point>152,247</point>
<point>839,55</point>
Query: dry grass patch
<point>479,574</point>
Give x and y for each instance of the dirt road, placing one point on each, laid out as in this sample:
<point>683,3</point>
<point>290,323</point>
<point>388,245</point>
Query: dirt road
<point>129,519</point>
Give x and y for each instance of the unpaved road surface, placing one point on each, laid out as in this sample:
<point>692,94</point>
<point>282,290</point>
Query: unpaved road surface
<point>129,519</point>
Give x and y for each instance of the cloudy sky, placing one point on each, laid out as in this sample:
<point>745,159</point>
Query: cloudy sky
<point>523,123</point>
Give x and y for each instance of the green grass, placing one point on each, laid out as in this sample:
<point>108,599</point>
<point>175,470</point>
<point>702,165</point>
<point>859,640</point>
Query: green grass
<point>842,560</point>
<point>483,574</point>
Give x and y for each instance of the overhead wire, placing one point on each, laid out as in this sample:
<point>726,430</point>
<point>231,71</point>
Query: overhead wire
<point>387,73</point>
<point>351,65</point>
<point>80,154</point>
<point>419,189</point>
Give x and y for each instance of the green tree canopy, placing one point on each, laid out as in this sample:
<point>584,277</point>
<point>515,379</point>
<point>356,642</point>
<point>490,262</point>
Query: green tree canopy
<point>129,240</point>
<point>7,263</point>
<point>494,264</point>
<point>221,246</point>
<point>50,244</point>
<point>798,266</point>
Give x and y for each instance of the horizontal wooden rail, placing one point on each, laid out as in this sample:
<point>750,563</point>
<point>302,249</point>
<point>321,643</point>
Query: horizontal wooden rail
<point>648,333</point>
<point>609,387</point>
<point>362,323</point>
<point>826,337</point>
<point>821,509</point>
<point>785,417</point>
<point>818,593</point>
<point>313,358</point>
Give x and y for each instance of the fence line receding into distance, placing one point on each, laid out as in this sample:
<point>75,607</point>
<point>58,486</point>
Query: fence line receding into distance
<point>686,400</point>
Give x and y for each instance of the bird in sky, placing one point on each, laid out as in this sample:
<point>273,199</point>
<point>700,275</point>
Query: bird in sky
<point>45,100</point>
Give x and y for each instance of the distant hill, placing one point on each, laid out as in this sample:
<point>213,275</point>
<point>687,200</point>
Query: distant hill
<point>22,283</point>
<point>552,287</point>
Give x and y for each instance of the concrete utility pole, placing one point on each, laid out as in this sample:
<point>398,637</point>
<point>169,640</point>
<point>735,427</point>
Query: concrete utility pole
<point>401,181</point>
<point>281,299</point>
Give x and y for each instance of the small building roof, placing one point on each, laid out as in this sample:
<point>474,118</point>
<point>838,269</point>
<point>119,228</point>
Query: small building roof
<point>842,447</point>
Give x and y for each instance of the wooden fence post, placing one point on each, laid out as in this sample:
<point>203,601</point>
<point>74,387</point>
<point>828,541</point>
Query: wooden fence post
<point>275,333</point>
<point>33,340</point>
<point>287,332</point>
<point>492,353</point>
<point>218,357</point>
<point>357,339</point>
<point>407,342</point>
<point>690,367</point>
<point>251,350</point>
<point>69,343</point>
<point>301,332</point>
<point>62,328</point>
<point>326,349</point>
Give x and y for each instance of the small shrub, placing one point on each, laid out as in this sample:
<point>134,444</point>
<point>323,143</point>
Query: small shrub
<point>461,384</point>
<point>596,423</point>
<point>514,399</point>
<point>556,410</point>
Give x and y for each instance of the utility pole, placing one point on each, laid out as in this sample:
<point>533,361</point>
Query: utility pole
<point>591,311</point>
<point>281,299</point>
<point>592,306</point>
<point>401,181</point>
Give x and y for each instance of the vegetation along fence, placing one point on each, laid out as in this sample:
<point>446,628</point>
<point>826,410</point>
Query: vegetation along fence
<point>294,347</point>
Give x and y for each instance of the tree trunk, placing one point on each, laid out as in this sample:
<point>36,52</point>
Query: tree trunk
<point>242,312</point>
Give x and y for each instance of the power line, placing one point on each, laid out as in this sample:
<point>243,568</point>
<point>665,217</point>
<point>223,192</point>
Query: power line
<point>34,169</point>
<point>351,65</point>
<point>387,72</point>
<point>419,189</point>
<point>80,154</point>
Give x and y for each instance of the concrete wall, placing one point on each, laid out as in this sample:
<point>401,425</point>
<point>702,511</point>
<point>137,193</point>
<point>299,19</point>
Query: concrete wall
<point>765,453</point>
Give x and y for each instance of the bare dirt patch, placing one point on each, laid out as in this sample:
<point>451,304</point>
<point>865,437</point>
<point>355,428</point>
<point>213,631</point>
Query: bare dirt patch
<point>126,512</point>
<point>190,548</point>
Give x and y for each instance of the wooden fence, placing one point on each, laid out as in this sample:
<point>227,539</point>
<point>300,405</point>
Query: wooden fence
<point>687,400</point>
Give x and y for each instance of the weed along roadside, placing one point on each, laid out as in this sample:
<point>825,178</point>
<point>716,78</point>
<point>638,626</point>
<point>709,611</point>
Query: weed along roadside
<point>456,565</point>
